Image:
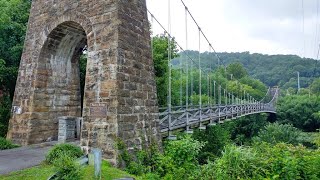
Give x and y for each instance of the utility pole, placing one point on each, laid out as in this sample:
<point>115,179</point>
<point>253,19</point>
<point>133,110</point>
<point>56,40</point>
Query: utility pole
<point>298,81</point>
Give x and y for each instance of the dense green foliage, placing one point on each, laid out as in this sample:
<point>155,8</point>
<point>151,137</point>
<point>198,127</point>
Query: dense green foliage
<point>14,15</point>
<point>263,160</point>
<point>214,139</point>
<point>6,144</point>
<point>273,70</point>
<point>67,168</point>
<point>300,110</point>
<point>160,56</point>
<point>233,78</point>
<point>69,150</point>
<point>279,133</point>
<point>5,107</point>
<point>245,128</point>
<point>181,159</point>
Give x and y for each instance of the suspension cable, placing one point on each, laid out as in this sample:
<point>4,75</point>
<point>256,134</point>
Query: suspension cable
<point>201,30</point>
<point>169,64</point>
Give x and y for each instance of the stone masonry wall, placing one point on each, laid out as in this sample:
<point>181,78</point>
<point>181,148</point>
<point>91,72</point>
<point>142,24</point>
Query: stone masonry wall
<point>120,93</point>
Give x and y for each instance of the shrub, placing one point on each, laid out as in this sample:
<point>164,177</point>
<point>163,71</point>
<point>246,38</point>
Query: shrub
<point>244,129</point>
<point>317,139</point>
<point>300,111</point>
<point>5,107</point>
<point>6,144</point>
<point>67,168</point>
<point>179,160</point>
<point>285,161</point>
<point>276,133</point>
<point>140,161</point>
<point>235,163</point>
<point>215,138</point>
<point>184,150</point>
<point>70,150</point>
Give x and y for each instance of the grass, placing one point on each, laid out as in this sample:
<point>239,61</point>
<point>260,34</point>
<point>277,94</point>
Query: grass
<point>43,171</point>
<point>107,172</point>
<point>6,144</point>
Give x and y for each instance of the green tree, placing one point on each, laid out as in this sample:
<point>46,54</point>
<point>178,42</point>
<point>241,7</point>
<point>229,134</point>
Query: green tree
<point>276,133</point>
<point>300,111</point>
<point>160,59</point>
<point>315,86</point>
<point>14,16</point>
<point>214,138</point>
<point>237,70</point>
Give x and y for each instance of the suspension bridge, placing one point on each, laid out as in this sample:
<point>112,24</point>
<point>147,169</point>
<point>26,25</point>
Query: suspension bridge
<point>223,104</point>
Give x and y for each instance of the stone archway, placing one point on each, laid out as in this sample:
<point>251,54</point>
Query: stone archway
<point>120,99</point>
<point>57,85</point>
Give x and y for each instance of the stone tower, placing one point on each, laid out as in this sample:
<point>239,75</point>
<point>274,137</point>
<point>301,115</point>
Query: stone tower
<point>120,92</point>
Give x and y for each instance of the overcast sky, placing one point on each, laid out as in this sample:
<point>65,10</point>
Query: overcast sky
<point>258,26</point>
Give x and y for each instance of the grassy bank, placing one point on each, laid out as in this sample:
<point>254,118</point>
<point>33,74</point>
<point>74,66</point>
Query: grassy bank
<point>43,171</point>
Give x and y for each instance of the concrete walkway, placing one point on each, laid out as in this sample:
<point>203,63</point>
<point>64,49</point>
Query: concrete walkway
<point>24,157</point>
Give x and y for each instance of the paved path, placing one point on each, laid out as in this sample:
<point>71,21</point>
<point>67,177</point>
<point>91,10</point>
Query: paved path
<point>24,157</point>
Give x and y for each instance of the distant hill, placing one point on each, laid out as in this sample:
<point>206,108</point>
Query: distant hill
<point>273,70</point>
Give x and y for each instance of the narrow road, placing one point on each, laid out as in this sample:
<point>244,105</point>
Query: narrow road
<point>24,157</point>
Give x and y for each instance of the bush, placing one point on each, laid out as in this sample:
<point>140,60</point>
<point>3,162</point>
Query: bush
<point>235,163</point>
<point>283,161</point>
<point>276,133</point>
<point>179,160</point>
<point>215,138</point>
<point>244,129</point>
<point>67,168</point>
<point>5,107</point>
<point>317,139</point>
<point>6,144</point>
<point>264,161</point>
<point>184,150</point>
<point>70,150</point>
<point>140,161</point>
<point>300,111</point>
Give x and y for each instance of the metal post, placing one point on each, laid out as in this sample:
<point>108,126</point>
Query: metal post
<point>208,89</point>
<point>200,77</point>
<point>187,64</point>
<point>225,97</point>
<point>169,64</point>
<point>97,162</point>
<point>214,92</point>
<point>298,81</point>
<point>180,81</point>
<point>219,102</point>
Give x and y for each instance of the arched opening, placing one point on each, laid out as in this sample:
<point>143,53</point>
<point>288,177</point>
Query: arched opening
<point>58,87</point>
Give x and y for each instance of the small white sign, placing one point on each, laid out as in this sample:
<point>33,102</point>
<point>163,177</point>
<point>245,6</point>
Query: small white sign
<point>17,110</point>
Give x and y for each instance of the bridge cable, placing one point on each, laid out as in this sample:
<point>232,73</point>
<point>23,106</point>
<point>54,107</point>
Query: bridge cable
<point>169,64</point>
<point>197,24</point>
<point>200,79</point>
<point>201,31</point>
<point>317,29</point>
<point>187,77</point>
<point>304,41</point>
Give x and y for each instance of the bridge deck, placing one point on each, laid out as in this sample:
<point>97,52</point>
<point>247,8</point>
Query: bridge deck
<point>180,117</point>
